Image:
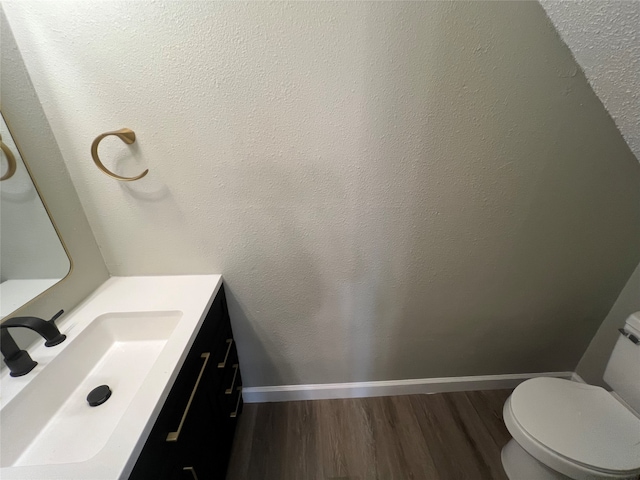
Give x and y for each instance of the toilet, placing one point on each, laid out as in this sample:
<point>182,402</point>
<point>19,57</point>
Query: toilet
<point>563,429</point>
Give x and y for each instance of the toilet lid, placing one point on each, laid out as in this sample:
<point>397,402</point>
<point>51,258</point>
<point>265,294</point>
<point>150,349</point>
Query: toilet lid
<point>583,423</point>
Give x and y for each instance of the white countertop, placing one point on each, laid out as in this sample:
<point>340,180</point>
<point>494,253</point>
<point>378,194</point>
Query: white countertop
<point>190,294</point>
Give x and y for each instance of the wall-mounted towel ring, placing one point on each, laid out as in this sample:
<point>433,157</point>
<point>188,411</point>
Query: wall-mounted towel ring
<point>127,136</point>
<point>10,159</point>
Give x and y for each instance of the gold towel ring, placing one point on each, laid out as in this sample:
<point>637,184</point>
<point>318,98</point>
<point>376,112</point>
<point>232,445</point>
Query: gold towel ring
<point>127,136</point>
<point>10,159</point>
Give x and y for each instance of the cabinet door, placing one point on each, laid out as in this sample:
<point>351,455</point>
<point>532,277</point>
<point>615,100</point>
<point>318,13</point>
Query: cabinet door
<point>193,434</point>
<point>195,437</point>
<point>159,456</point>
<point>202,450</point>
<point>199,444</point>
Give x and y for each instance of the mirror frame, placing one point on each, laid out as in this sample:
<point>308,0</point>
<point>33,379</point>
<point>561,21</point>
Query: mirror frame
<point>51,219</point>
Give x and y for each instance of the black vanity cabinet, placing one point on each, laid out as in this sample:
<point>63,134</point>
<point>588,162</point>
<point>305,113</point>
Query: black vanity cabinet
<point>192,436</point>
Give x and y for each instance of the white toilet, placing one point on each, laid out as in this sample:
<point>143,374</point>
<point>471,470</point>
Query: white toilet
<point>563,429</point>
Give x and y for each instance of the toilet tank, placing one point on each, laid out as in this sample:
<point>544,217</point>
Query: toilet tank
<point>623,370</point>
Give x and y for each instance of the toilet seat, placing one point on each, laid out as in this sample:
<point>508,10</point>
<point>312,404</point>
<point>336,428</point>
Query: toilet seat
<point>579,430</point>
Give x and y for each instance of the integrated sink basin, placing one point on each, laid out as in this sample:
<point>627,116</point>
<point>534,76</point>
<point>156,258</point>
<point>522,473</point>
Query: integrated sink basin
<point>56,425</point>
<point>132,334</point>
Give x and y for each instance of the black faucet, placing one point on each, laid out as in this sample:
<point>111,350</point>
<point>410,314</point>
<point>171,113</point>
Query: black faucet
<point>19,361</point>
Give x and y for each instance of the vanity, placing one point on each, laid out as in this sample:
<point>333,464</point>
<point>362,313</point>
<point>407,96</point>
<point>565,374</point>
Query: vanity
<point>193,433</point>
<point>165,348</point>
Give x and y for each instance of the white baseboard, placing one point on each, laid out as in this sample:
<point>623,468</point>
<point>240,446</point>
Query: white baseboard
<point>285,393</point>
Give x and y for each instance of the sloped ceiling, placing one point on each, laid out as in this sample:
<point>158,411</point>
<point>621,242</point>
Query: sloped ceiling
<point>604,37</point>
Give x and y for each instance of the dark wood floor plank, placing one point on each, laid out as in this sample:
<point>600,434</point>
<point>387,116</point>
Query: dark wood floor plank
<point>483,443</point>
<point>405,444</point>
<point>389,461</point>
<point>346,439</point>
<point>452,436</point>
<point>329,418</point>
<point>488,405</point>
<point>269,442</point>
<point>301,459</point>
<point>358,440</point>
<point>449,445</point>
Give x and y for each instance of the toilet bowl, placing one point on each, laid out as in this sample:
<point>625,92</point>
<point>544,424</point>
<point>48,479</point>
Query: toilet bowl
<point>563,429</point>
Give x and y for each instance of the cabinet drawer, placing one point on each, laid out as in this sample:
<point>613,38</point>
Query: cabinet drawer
<point>224,368</point>
<point>200,439</point>
<point>158,455</point>
<point>199,415</point>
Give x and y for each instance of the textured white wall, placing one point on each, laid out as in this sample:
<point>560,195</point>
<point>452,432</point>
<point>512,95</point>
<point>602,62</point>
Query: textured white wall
<point>604,37</point>
<point>391,190</point>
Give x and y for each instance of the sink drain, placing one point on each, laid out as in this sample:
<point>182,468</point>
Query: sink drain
<point>99,395</point>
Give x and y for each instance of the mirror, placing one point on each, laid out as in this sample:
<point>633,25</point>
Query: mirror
<point>32,255</point>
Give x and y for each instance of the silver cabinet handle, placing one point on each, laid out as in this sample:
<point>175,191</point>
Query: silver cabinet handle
<point>192,470</point>
<point>223,363</point>
<point>234,414</point>
<point>229,390</point>
<point>173,436</point>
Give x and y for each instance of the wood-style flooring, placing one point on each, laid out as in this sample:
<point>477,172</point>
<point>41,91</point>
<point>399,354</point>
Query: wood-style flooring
<point>449,436</point>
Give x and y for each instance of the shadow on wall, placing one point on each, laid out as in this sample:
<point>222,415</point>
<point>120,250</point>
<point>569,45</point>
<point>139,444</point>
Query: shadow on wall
<point>276,290</point>
<point>269,366</point>
<point>531,204</point>
<point>484,230</point>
